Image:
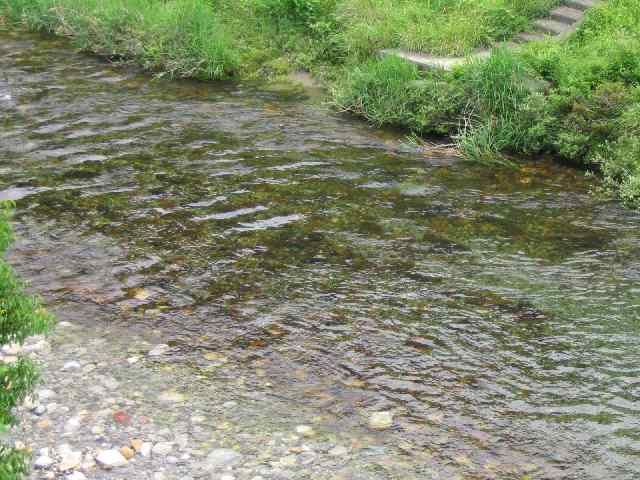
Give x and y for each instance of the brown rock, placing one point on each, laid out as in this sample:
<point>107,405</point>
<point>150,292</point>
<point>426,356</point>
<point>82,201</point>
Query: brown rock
<point>43,424</point>
<point>127,453</point>
<point>136,443</point>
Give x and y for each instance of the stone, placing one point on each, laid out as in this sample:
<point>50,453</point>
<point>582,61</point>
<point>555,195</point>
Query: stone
<point>110,459</point>
<point>121,417</point>
<point>288,461</point>
<point>11,349</point>
<point>305,430</point>
<point>90,367</point>
<point>76,476</point>
<point>132,360</point>
<point>159,350</point>
<point>43,462</point>
<point>40,410</point>
<point>338,451</point>
<point>127,453</point>
<point>110,383</point>
<point>45,394</point>
<point>70,461</point>
<point>145,449</point>
<point>162,448</point>
<point>222,458</point>
<point>171,396</point>
<point>71,365</point>
<point>227,476</point>
<point>43,424</point>
<point>136,444</point>
<point>381,420</point>
<point>72,424</point>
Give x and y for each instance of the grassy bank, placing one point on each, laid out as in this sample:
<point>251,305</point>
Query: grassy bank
<point>20,316</point>
<point>576,99</point>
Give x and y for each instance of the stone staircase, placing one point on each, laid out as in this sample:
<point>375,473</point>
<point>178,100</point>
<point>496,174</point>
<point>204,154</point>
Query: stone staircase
<point>560,22</point>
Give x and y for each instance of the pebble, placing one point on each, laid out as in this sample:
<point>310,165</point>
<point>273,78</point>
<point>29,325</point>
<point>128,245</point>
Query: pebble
<point>288,461</point>
<point>76,476</point>
<point>222,457</point>
<point>305,430</point>
<point>338,450</point>
<point>145,449</point>
<point>72,424</point>
<point>136,444</point>
<point>40,410</point>
<point>171,396</point>
<point>162,448</point>
<point>11,349</point>
<point>158,350</point>
<point>110,459</point>
<point>381,420</point>
<point>43,462</point>
<point>45,394</point>
<point>70,461</point>
<point>127,453</point>
<point>71,365</point>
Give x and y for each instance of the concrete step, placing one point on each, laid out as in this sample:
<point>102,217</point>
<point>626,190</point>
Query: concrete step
<point>566,15</point>
<point>427,62</point>
<point>528,37</point>
<point>552,27</point>
<point>580,4</point>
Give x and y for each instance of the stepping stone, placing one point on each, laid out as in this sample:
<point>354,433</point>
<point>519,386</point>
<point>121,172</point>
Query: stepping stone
<point>581,4</point>
<point>528,37</point>
<point>426,62</point>
<point>553,27</point>
<point>566,15</point>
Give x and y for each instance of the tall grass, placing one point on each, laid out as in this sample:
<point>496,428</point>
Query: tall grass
<point>20,316</point>
<point>578,99</point>
<point>181,38</point>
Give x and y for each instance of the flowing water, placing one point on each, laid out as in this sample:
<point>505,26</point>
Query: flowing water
<point>495,312</point>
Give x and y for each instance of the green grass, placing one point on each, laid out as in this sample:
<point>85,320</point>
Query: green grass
<point>21,315</point>
<point>577,99</point>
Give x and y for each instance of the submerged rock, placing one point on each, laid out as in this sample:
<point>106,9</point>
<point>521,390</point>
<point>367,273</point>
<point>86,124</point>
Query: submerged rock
<point>159,350</point>
<point>110,459</point>
<point>220,458</point>
<point>381,420</point>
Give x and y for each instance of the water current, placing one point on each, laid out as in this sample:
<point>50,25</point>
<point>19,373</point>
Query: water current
<point>496,312</point>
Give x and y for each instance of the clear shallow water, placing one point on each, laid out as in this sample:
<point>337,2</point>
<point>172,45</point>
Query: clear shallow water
<point>496,312</point>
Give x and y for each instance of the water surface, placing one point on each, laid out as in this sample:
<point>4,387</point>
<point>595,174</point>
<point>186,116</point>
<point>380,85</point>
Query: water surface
<point>495,312</point>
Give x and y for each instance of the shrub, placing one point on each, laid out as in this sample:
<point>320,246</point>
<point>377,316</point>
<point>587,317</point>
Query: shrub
<point>20,316</point>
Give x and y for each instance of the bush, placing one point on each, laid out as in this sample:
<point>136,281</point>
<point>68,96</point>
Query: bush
<point>20,316</point>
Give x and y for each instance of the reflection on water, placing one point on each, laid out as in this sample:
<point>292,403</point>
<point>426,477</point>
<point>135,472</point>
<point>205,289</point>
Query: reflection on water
<point>495,312</point>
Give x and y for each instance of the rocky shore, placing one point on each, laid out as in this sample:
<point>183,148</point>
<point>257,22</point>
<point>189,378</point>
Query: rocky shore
<point>114,406</point>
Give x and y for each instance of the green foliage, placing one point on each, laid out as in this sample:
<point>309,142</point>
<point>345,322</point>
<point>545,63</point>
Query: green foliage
<point>576,99</point>
<point>182,38</point>
<point>300,12</point>
<point>391,91</point>
<point>20,316</point>
<point>13,464</point>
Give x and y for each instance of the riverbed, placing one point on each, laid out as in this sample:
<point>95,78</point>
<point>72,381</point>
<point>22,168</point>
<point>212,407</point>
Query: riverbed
<point>337,269</point>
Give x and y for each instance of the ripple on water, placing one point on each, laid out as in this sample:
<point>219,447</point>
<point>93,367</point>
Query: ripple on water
<point>494,312</point>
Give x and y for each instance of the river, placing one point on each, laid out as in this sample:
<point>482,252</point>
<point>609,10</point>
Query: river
<point>495,312</point>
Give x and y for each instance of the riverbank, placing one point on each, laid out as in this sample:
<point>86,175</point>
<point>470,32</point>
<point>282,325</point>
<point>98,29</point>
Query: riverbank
<point>575,99</point>
<point>20,317</point>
